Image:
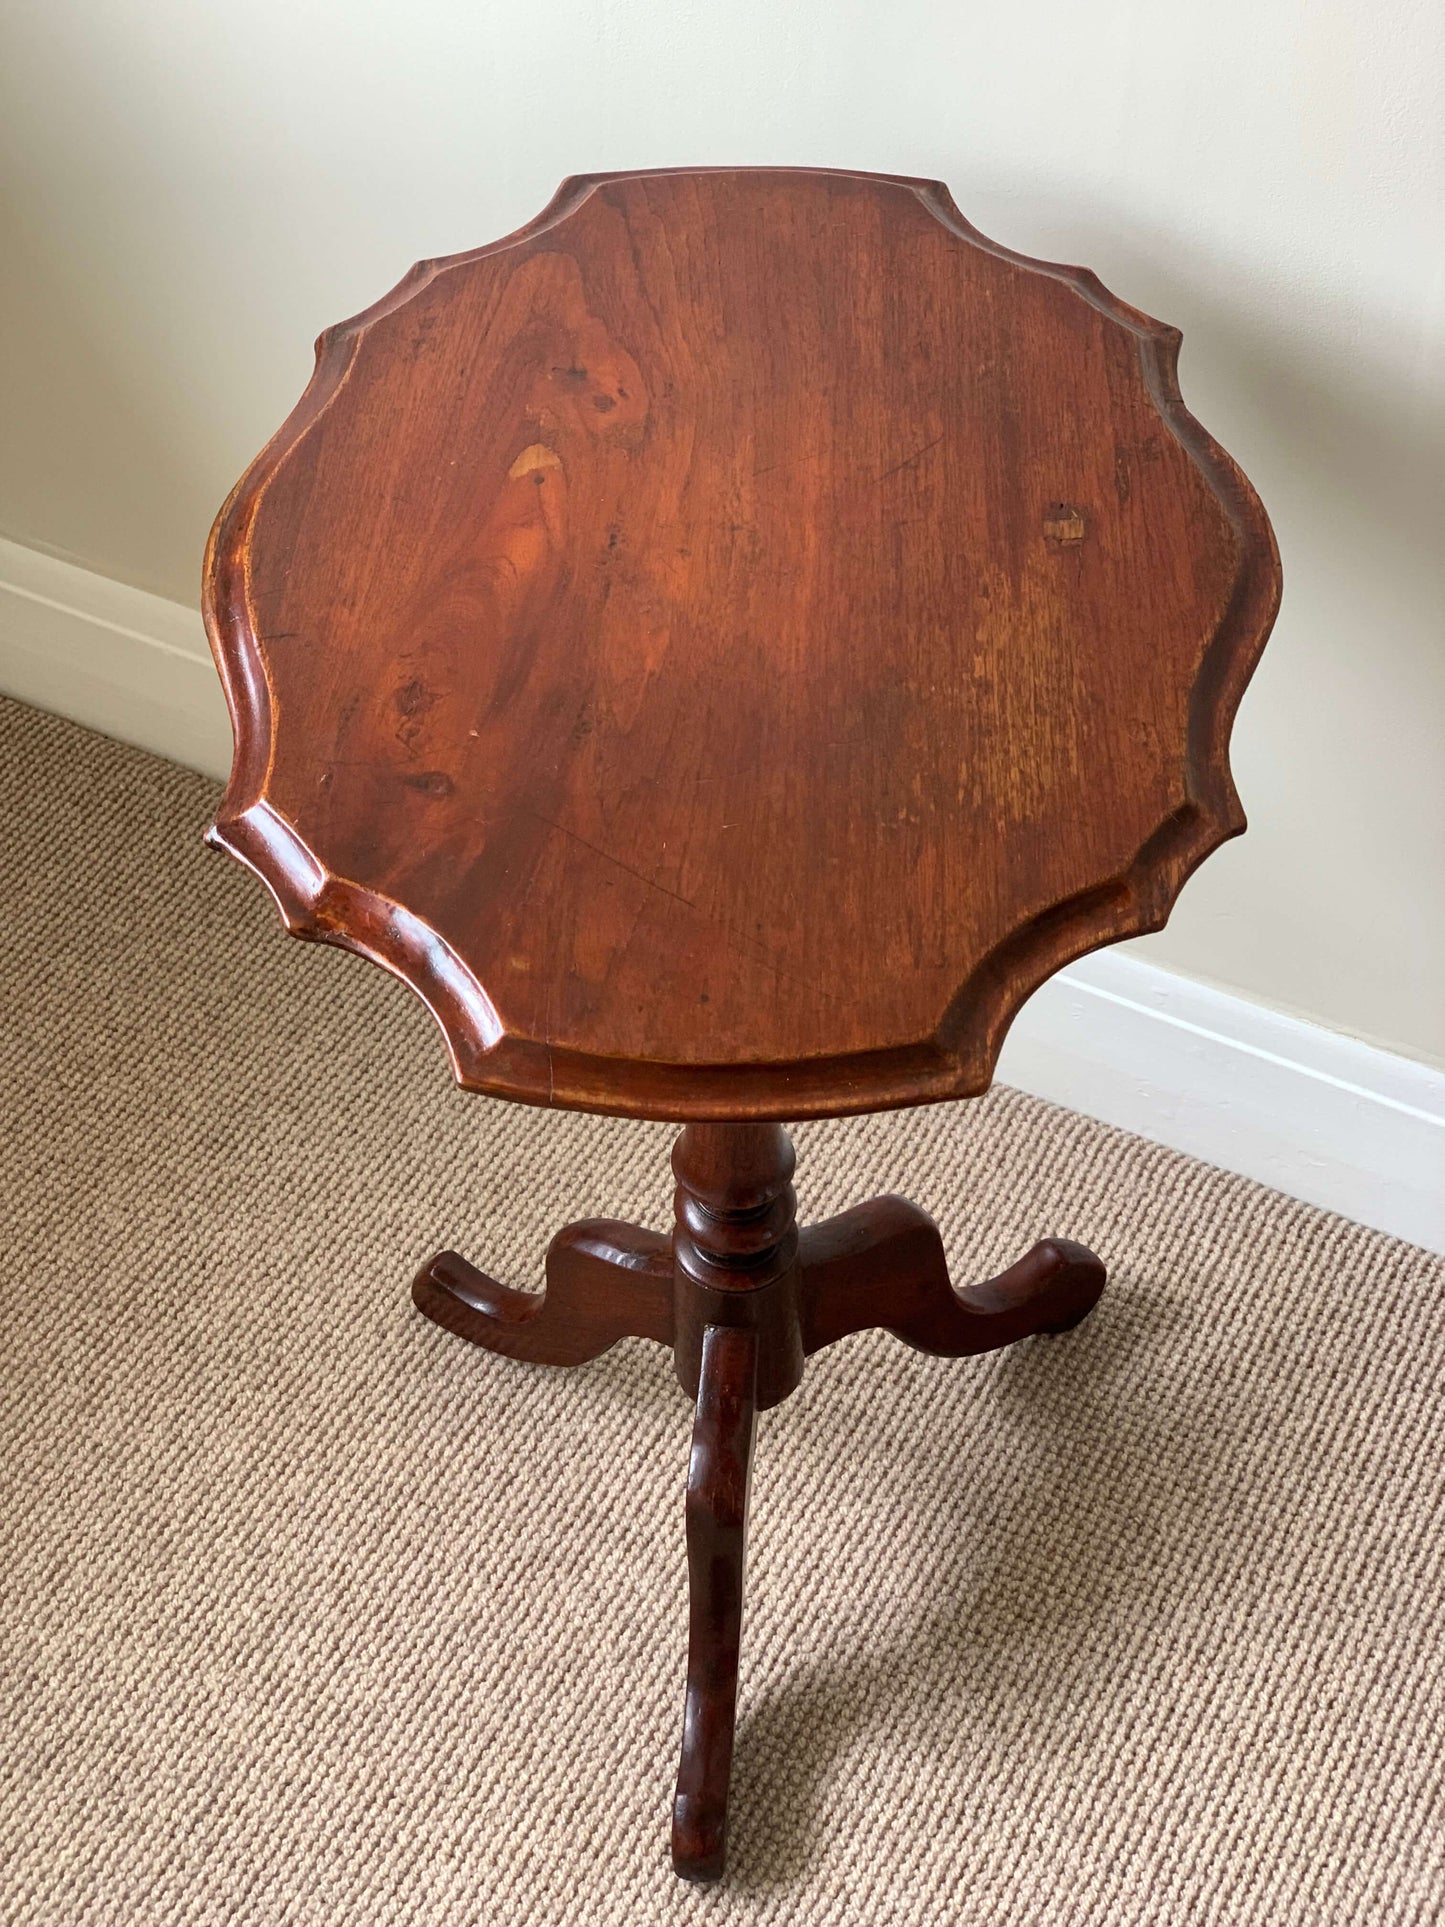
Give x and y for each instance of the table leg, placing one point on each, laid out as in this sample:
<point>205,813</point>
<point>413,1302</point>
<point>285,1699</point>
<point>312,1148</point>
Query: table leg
<point>717,1523</point>
<point>882,1264</point>
<point>605,1281</point>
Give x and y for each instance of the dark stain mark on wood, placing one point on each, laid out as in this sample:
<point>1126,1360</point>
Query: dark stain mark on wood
<point>431,782</point>
<point>414,698</point>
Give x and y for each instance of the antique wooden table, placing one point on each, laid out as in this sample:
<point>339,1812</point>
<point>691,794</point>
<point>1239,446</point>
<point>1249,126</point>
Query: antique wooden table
<point>724,646</point>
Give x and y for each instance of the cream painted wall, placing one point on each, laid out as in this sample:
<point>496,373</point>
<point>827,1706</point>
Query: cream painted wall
<point>193,190</point>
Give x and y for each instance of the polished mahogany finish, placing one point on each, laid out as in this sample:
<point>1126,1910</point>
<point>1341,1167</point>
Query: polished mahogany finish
<point>727,643</point>
<point>724,646</point>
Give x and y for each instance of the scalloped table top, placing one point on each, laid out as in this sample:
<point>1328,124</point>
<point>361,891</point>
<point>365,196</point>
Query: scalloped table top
<point>727,643</point>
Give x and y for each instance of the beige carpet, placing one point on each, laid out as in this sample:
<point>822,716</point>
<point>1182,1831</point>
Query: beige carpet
<point>313,1614</point>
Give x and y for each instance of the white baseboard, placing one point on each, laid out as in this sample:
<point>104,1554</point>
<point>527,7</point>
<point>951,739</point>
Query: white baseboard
<point>1307,1110</point>
<point>1318,1115</point>
<point>129,664</point>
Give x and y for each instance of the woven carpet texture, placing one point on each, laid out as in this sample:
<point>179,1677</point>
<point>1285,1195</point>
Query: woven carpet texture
<point>314,1614</point>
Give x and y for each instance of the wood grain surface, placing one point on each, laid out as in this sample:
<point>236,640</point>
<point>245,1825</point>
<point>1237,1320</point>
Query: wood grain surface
<point>726,644</point>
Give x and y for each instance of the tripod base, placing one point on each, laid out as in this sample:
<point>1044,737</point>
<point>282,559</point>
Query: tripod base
<point>743,1296</point>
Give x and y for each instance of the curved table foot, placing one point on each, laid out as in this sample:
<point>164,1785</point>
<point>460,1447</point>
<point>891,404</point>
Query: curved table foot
<point>605,1281</point>
<point>882,1264</point>
<point>717,1524</point>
